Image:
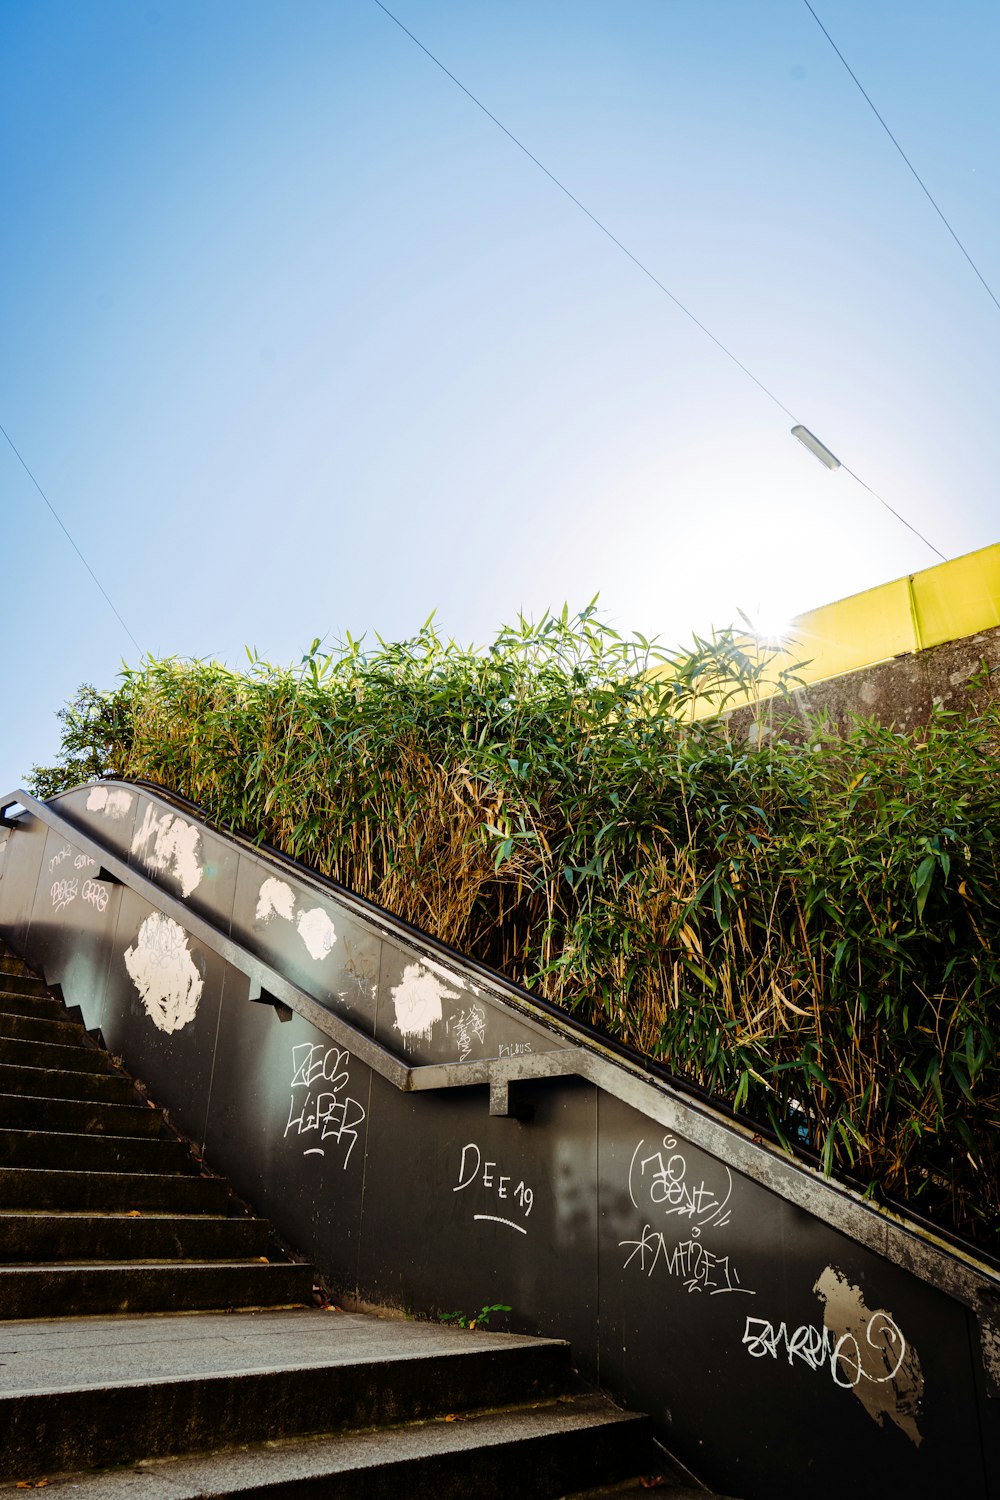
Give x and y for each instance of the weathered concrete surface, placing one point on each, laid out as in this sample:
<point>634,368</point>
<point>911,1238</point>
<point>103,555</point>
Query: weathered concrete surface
<point>901,693</point>
<point>85,1353</point>
<point>490,1455</point>
<point>116,1390</point>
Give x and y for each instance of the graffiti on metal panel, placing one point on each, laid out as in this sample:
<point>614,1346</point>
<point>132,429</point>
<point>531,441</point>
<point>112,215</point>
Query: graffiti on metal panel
<point>317,931</point>
<point>497,1186</point>
<point>321,1112</point>
<point>861,1350</point>
<point>63,892</point>
<point>96,894</point>
<point>662,1184</point>
<point>419,1004</point>
<point>66,888</point>
<point>468,1027</point>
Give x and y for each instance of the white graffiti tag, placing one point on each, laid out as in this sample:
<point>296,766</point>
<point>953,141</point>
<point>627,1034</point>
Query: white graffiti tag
<point>319,1108</point>
<point>668,1187</point>
<point>691,1262</point>
<point>63,892</point>
<point>468,1027</point>
<point>95,893</point>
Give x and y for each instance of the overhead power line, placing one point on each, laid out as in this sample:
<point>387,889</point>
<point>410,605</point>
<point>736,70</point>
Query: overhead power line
<point>65,530</point>
<point>640,264</point>
<point>920,181</point>
<point>893,512</point>
<point>585,210</point>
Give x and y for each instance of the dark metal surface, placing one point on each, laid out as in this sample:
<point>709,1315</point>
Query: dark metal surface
<point>431,1138</point>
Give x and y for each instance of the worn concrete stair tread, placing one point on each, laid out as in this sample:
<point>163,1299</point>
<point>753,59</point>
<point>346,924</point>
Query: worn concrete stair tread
<point>24,1053</point>
<point>106,1391</point>
<point>54,1354</point>
<point>50,1187</point>
<point>58,1083</point>
<point>493,1454</point>
<point>32,1235</point>
<point>38,1028</point>
<point>77,1116</point>
<point>666,1481</point>
<point>16,981</point>
<point>93,1153</point>
<point>91,1287</point>
<point>33,1005</point>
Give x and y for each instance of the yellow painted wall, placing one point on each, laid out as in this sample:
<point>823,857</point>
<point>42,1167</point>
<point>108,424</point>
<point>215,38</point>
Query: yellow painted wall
<point>944,603</point>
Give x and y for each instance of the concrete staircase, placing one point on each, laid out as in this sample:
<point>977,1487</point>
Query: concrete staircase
<point>102,1210</point>
<point>103,1213</point>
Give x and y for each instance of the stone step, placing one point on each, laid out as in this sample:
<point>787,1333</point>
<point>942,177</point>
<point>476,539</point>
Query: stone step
<point>39,1236</point>
<point>86,1392</point>
<point>33,1005</point>
<point>49,1188</point>
<point>78,1116</point>
<point>13,982</point>
<point>9,964</point>
<point>30,1054</point>
<point>56,1083</point>
<point>101,1288</point>
<point>55,1150</point>
<point>32,1028</point>
<point>538,1452</point>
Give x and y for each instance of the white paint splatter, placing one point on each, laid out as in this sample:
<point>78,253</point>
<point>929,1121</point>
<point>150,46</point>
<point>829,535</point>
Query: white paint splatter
<point>317,932</point>
<point>164,973</point>
<point>111,801</point>
<point>275,898</point>
<point>168,843</point>
<point>417,999</point>
<point>441,971</point>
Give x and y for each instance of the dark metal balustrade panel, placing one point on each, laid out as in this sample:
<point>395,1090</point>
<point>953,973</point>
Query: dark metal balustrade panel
<point>106,809</point>
<point>161,1012</point>
<point>288,1125</point>
<point>21,849</point>
<point>76,914</point>
<point>765,1343</point>
<point>309,937</point>
<point>463,1210</point>
<point>185,858</point>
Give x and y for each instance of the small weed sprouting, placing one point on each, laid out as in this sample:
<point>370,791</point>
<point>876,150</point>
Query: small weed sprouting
<point>481,1319</point>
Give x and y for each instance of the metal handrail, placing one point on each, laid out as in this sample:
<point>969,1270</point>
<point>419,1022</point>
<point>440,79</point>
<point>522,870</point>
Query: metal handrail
<point>271,985</point>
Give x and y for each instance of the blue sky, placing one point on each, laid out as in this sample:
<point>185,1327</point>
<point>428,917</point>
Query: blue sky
<point>297,342</point>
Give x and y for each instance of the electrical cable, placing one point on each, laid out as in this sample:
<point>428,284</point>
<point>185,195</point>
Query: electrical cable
<point>858,480</point>
<point>920,181</point>
<point>585,210</point>
<point>637,262</point>
<point>70,539</point>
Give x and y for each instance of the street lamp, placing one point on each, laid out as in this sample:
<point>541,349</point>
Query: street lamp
<point>810,441</point>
